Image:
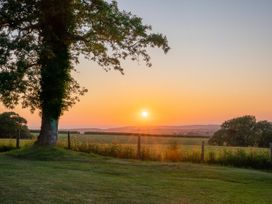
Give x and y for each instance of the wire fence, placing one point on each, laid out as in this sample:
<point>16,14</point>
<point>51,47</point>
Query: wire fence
<point>157,148</point>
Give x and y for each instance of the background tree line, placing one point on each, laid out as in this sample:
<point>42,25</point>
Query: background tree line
<point>243,131</point>
<point>11,123</point>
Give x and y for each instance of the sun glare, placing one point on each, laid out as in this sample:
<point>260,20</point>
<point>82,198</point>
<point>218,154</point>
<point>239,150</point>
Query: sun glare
<point>144,114</point>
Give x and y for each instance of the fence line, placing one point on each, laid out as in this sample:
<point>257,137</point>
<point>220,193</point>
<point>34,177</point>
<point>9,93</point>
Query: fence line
<point>202,150</point>
<point>139,147</point>
<point>18,139</point>
<point>139,144</point>
<point>69,140</point>
<point>138,151</point>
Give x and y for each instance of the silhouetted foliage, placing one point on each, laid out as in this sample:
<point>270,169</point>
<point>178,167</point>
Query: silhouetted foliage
<point>263,133</point>
<point>243,131</point>
<point>42,40</point>
<point>11,123</point>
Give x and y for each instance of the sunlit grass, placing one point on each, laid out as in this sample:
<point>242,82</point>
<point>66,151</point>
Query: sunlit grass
<point>12,142</point>
<point>54,175</point>
<point>160,149</point>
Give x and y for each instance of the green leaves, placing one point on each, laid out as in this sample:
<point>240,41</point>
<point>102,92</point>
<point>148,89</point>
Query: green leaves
<point>243,131</point>
<point>107,35</point>
<point>33,33</point>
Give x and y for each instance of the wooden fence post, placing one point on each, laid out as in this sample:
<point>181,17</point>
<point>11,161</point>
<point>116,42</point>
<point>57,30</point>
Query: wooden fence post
<point>139,147</point>
<point>270,146</point>
<point>69,140</point>
<point>18,138</point>
<point>202,150</point>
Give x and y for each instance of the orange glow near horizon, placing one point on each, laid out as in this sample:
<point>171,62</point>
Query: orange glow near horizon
<point>218,68</point>
<point>187,110</point>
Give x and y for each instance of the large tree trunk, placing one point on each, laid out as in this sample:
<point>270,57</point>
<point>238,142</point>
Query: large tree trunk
<point>55,20</point>
<point>49,131</point>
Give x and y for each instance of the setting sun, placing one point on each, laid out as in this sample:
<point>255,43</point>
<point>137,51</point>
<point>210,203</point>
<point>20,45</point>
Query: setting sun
<point>144,114</point>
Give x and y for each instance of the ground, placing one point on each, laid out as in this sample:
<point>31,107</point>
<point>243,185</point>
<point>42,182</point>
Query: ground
<point>60,176</point>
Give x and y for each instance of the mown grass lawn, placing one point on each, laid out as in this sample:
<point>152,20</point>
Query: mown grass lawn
<point>60,176</point>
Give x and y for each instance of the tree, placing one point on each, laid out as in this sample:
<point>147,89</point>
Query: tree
<point>236,132</point>
<point>40,44</point>
<point>240,130</point>
<point>11,123</point>
<point>219,138</point>
<point>263,130</point>
<point>243,131</point>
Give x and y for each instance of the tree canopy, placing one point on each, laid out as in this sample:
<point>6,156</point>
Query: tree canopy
<point>11,123</point>
<point>94,28</point>
<point>41,42</point>
<point>243,131</point>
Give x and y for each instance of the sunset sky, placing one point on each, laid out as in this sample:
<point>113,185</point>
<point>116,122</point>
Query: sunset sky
<point>219,67</point>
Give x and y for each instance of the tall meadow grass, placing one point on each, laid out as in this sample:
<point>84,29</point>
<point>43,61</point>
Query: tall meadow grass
<point>173,151</point>
<point>160,149</point>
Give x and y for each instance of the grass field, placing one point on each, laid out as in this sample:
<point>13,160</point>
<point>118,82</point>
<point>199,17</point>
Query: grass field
<point>161,149</point>
<point>169,149</point>
<point>60,176</point>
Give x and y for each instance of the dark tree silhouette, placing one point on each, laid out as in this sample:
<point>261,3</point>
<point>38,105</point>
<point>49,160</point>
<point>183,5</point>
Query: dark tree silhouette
<point>11,123</point>
<point>243,131</point>
<point>41,41</point>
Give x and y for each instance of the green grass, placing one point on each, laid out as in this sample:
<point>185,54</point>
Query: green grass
<point>169,149</point>
<point>53,175</point>
<point>160,149</point>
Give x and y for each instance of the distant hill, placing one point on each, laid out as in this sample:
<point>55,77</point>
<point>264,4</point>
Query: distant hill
<point>190,130</point>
